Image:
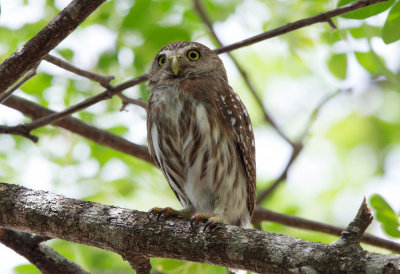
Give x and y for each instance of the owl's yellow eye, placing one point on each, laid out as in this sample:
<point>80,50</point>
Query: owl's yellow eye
<point>161,60</point>
<point>193,54</point>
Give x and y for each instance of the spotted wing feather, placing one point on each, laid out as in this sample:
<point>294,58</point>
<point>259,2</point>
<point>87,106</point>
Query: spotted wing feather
<point>237,118</point>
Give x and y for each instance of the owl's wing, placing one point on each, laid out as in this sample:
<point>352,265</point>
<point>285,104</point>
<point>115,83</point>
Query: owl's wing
<point>238,120</point>
<point>151,120</point>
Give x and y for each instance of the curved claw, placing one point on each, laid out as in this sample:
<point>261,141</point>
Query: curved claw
<point>161,212</point>
<point>209,225</point>
<point>192,220</point>
<point>153,211</point>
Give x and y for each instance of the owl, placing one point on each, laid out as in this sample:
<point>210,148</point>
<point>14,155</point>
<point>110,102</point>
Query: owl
<point>200,135</point>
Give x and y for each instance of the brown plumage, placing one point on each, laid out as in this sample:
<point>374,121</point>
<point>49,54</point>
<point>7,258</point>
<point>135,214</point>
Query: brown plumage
<point>200,134</point>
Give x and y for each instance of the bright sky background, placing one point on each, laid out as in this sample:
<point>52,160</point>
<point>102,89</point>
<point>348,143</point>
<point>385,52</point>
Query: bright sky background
<point>289,101</point>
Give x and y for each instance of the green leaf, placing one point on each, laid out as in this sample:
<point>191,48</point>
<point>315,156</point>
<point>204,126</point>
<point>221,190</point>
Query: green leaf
<point>365,30</point>
<point>37,84</point>
<point>66,53</point>
<point>365,12</point>
<point>385,215</point>
<point>368,61</point>
<point>337,64</point>
<point>26,269</point>
<point>391,29</point>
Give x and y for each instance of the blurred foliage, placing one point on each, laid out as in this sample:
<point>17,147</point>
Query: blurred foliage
<point>385,214</point>
<point>357,137</point>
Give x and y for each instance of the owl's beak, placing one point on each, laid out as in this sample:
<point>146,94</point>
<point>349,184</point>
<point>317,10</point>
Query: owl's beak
<point>175,65</point>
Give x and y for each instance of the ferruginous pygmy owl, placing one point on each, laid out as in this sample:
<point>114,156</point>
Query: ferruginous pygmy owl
<point>200,135</point>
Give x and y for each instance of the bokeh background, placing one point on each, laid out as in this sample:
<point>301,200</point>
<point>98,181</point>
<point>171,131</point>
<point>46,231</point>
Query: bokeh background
<point>352,149</point>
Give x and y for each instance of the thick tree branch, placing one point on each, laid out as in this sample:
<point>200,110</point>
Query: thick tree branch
<point>103,80</point>
<point>129,232</point>
<point>49,37</point>
<point>43,257</point>
<point>262,214</point>
<point>322,17</point>
<point>102,137</point>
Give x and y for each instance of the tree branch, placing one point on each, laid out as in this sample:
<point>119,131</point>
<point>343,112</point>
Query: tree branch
<point>102,137</point>
<point>130,232</point>
<point>49,37</point>
<point>25,129</point>
<point>262,214</point>
<point>29,75</point>
<point>126,101</point>
<point>351,237</point>
<point>43,257</point>
<point>297,148</point>
<point>103,80</point>
<point>322,17</point>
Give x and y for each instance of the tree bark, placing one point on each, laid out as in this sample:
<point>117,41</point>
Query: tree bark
<point>129,233</point>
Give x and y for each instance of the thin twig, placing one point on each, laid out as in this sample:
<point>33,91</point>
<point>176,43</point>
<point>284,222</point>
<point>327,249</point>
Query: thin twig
<point>262,214</point>
<point>20,130</point>
<point>126,101</point>
<point>316,112</point>
<point>200,10</point>
<point>264,194</point>
<point>103,80</point>
<point>29,75</point>
<point>297,148</point>
<point>322,17</point>
<point>25,129</point>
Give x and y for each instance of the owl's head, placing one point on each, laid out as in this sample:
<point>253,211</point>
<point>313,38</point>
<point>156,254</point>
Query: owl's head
<point>183,60</point>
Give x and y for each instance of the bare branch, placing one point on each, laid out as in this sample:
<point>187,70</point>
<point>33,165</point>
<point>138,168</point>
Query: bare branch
<point>103,80</point>
<point>43,257</point>
<point>297,147</point>
<point>262,214</point>
<point>200,10</point>
<point>20,130</point>
<point>126,101</point>
<point>352,235</point>
<point>25,129</point>
<point>25,58</point>
<point>322,17</point>
<point>264,194</point>
<point>129,232</point>
<point>29,75</point>
<point>102,137</point>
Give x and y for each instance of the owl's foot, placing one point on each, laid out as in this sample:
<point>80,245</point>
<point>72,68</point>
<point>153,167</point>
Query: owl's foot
<point>166,212</point>
<point>169,212</point>
<point>210,221</point>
